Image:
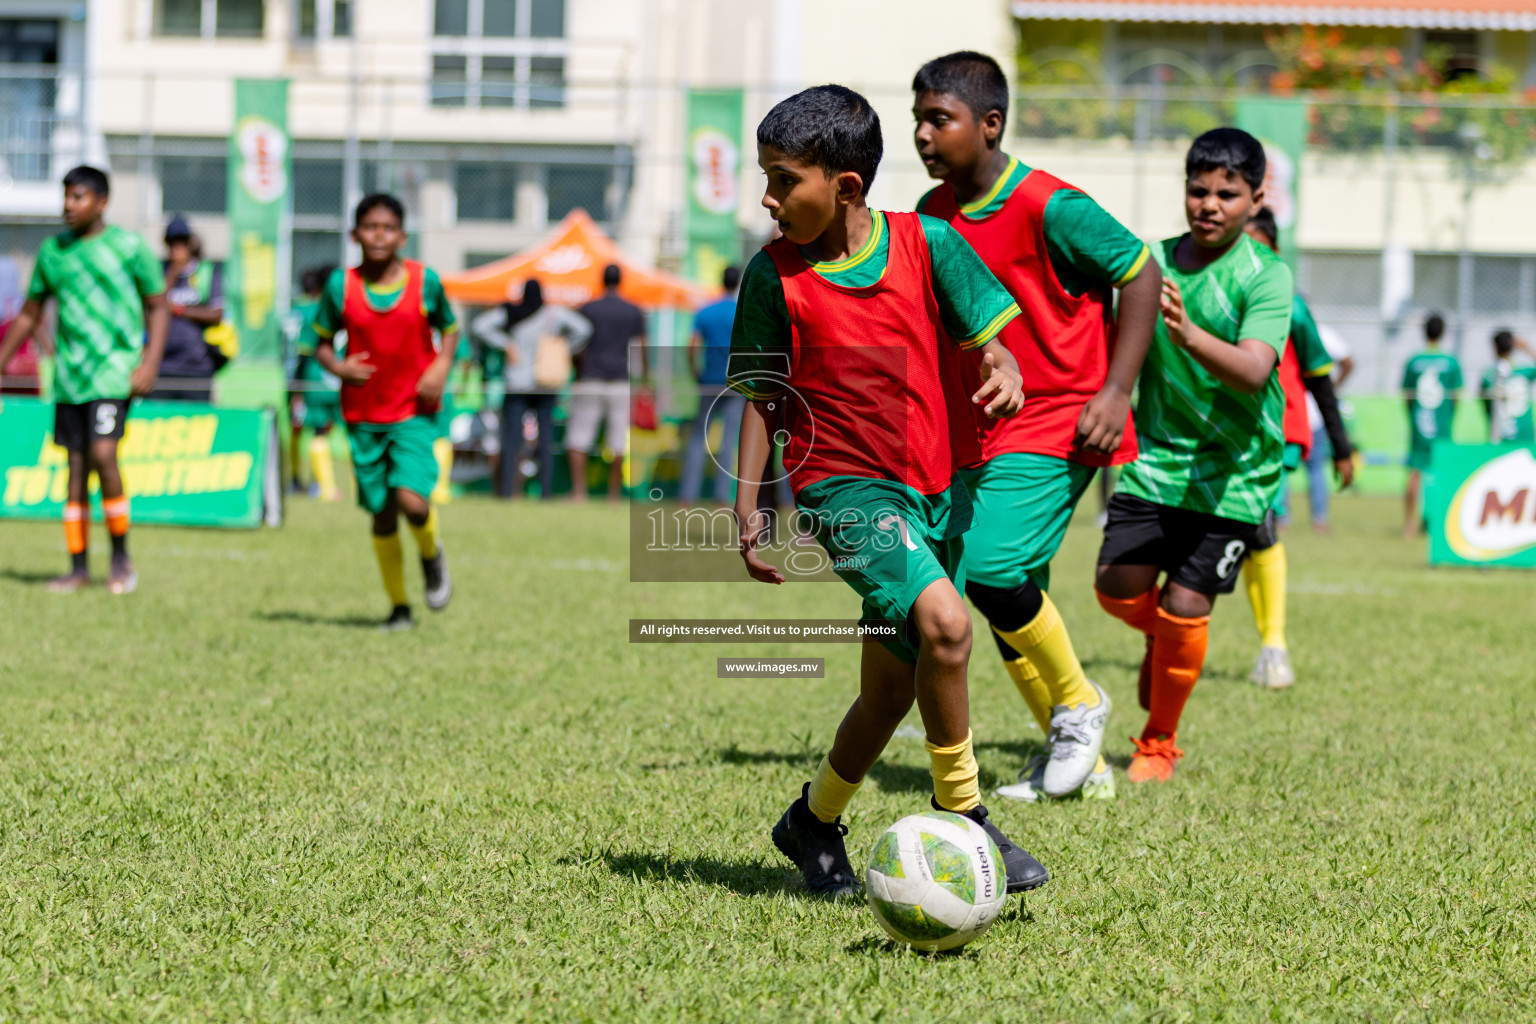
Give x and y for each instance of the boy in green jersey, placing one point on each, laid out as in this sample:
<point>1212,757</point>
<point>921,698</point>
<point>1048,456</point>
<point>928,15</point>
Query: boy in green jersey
<point>860,338</point>
<point>316,404</point>
<point>1431,380</point>
<point>1507,393</point>
<point>108,285</point>
<point>393,379</point>
<point>1062,258</point>
<point>1210,425</point>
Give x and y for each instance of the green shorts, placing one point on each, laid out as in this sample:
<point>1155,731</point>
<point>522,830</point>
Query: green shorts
<point>321,411</point>
<point>889,543</point>
<point>1420,452</point>
<point>386,456</point>
<point>1023,505</point>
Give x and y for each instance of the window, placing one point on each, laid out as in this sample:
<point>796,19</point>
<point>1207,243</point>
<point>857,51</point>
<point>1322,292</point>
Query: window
<point>317,187</point>
<point>322,20</point>
<point>486,191</point>
<point>1341,279</point>
<point>1457,53</point>
<point>499,53</point>
<point>193,184</point>
<point>210,18</point>
<point>577,187</point>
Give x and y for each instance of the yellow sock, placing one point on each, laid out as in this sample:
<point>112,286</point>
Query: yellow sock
<point>955,775</point>
<point>442,450</point>
<point>1264,577</point>
<point>295,435</point>
<point>426,534</point>
<point>391,558</point>
<point>1032,688</point>
<point>323,465</point>
<point>830,793</point>
<point>1045,642</point>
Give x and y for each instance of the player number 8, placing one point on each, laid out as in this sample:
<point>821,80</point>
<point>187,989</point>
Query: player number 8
<point>1229,561</point>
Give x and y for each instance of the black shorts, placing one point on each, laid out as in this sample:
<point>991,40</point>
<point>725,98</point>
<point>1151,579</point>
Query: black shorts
<point>76,426</point>
<point>1196,549</point>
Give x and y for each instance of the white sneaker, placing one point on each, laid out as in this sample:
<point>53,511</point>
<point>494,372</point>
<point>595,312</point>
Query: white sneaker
<point>1030,784</point>
<point>1077,737</point>
<point>1273,670</point>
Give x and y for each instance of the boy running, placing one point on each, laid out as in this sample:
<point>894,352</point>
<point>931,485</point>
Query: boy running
<point>108,285</point>
<point>317,407</point>
<point>1061,257</point>
<point>848,341</point>
<point>1306,368</point>
<point>1506,393</point>
<point>392,386</point>
<point>1430,382</point>
<point>1210,420</point>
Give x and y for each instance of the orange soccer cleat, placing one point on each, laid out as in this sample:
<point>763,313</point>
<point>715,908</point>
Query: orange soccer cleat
<point>1154,759</point>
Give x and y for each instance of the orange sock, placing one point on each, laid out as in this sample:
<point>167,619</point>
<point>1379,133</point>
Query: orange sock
<point>77,524</point>
<point>115,511</point>
<point>1177,658</point>
<point>1139,612</point>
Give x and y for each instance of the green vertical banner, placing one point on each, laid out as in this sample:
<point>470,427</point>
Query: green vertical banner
<point>259,176</point>
<point>1282,126</point>
<point>714,181</point>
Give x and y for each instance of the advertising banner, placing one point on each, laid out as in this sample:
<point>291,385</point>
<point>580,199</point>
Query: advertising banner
<point>1280,124</point>
<point>1480,502</point>
<point>259,175</point>
<point>183,464</point>
<point>714,181</point>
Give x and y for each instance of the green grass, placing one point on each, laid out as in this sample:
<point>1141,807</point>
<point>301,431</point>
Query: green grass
<point>226,799</point>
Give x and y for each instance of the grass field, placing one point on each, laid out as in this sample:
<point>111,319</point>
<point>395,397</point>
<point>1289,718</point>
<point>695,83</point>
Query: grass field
<point>228,798</point>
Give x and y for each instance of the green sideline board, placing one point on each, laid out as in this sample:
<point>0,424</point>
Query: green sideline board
<point>1480,503</point>
<point>183,463</point>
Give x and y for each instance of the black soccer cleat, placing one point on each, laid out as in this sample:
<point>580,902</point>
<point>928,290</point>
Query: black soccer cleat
<point>399,620</point>
<point>816,848</point>
<point>439,590</point>
<point>1024,872</point>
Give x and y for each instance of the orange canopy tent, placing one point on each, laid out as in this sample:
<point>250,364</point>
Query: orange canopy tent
<point>569,265</point>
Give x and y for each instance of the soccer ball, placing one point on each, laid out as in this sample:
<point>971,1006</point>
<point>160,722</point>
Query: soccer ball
<point>935,880</point>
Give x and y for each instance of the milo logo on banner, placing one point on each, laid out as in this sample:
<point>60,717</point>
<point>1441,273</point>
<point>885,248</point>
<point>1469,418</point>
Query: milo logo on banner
<point>263,148</point>
<point>1493,514</point>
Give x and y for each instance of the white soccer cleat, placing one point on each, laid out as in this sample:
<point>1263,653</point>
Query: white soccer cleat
<point>1273,670</point>
<point>1077,738</point>
<point>1030,786</point>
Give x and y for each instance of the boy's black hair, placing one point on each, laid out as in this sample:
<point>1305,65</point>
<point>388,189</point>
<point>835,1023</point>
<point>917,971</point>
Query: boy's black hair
<point>313,279</point>
<point>1504,342</point>
<point>612,275</point>
<point>972,78</point>
<point>827,126</point>
<point>1227,149</point>
<point>1434,327</point>
<point>731,278</point>
<point>90,177</point>
<point>1264,219</point>
<point>375,200</point>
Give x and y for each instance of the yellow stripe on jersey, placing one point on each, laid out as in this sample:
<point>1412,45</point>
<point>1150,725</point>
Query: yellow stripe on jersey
<point>871,244</point>
<point>981,202</point>
<point>991,330</point>
<point>1141,261</point>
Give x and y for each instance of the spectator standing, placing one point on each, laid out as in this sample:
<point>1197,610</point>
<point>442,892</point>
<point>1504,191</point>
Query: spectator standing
<point>521,330</point>
<point>195,290</point>
<point>709,353</point>
<point>600,396</point>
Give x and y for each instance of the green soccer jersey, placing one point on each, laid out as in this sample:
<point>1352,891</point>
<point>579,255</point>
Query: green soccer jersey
<point>1508,390</point>
<point>1088,247</point>
<point>1311,354</point>
<point>1430,383</point>
<point>324,385</point>
<point>100,284</point>
<point>974,307</point>
<point>1207,447</point>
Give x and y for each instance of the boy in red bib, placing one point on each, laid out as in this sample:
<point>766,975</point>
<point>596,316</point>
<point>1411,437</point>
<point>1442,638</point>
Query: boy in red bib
<point>1062,258</point>
<point>392,387</point>
<point>860,337</point>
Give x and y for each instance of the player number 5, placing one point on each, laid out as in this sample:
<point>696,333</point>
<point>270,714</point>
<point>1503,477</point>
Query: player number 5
<point>106,419</point>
